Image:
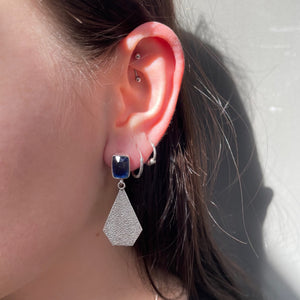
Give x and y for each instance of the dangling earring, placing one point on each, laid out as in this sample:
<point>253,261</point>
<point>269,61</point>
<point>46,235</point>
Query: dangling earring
<point>122,226</point>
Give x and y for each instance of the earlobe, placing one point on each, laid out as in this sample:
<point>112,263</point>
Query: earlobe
<point>153,64</point>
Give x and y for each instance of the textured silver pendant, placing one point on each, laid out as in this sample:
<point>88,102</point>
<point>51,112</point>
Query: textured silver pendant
<point>122,226</point>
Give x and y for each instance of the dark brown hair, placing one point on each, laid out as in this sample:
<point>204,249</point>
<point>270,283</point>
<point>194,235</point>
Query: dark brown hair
<point>171,199</point>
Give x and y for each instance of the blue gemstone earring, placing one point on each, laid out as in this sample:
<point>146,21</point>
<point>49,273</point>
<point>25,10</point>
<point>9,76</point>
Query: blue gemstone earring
<point>122,226</point>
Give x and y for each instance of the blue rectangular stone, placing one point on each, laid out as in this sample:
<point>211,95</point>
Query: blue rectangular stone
<point>120,166</point>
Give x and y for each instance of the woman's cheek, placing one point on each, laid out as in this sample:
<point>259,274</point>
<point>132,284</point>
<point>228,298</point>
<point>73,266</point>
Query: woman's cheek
<point>50,158</point>
<point>43,177</point>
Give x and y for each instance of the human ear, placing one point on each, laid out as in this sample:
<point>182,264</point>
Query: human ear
<point>143,110</point>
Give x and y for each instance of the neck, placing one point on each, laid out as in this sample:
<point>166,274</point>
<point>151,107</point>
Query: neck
<point>89,269</point>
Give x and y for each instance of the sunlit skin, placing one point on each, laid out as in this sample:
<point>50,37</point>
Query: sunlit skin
<point>58,132</point>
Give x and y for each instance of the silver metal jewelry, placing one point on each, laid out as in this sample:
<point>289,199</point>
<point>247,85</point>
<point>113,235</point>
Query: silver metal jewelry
<point>138,175</point>
<point>151,161</point>
<point>122,226</point>
<point>137,77</point>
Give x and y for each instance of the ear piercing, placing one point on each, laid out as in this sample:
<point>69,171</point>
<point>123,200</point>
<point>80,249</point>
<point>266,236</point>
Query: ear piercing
<point>151,161</point>
<point>141,167</point>
<point>137,77</point>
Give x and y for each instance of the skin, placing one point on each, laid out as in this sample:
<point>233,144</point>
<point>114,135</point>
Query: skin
<point>59,129</point>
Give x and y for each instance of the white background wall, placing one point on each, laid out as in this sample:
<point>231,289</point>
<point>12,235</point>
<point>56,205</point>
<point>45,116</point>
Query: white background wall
<point>263,38</point>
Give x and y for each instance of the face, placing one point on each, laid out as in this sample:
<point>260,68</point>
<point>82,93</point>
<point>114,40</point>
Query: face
<point>51,166</point>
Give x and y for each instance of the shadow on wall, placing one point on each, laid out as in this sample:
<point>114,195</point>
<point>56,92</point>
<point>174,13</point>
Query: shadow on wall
<point>240,204</point>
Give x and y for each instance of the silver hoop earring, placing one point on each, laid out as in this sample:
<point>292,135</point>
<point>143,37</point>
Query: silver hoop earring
<point>151,161</point>
<point>138,175</point>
